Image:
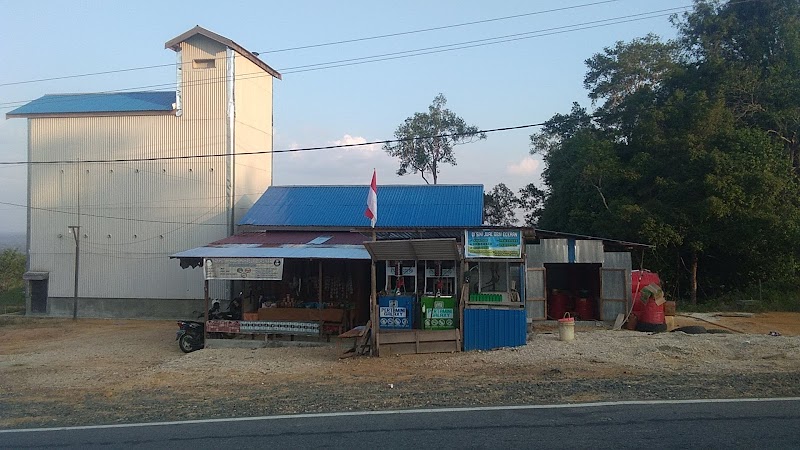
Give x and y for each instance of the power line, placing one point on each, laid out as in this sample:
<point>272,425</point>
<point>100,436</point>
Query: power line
<point>425,30</point>
<point>472,44</point>
<point>261,152</point>
<point>407,53</point>
<point>324,44</point>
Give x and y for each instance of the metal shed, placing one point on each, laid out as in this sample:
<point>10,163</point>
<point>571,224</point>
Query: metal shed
<point>583,275</point>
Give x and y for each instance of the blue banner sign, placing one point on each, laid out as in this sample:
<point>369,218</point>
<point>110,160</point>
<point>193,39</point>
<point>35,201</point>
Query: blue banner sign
<point>493,244</point>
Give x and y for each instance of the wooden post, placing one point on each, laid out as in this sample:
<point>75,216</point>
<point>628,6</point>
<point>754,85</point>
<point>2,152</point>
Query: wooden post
<point>205,311</point>
<point>319,301</point>
<point>373,305</point>
<point>463,295</point>
<point>319,295</point>
<point>76,233</point>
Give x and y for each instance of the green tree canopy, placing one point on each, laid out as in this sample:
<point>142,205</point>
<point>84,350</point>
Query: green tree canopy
<point>499,206</point>
<point>427,140</point>
<point>693,147</point>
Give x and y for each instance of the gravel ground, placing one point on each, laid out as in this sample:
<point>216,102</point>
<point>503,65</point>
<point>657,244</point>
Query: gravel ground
<point>59,372</point>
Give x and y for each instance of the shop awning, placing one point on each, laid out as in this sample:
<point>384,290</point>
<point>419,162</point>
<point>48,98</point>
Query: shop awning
<point>414,249</point>
<point>303,252</point>
<point>280,244</point>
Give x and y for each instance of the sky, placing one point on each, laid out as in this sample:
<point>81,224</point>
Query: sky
<point>535,74</point>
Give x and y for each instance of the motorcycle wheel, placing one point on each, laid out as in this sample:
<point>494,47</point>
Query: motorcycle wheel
<point>187,344</point>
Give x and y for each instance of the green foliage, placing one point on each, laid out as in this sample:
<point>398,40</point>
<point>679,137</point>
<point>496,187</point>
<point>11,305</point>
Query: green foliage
<point>12,267</point>
<point>531,200</point>
<point>499,206</point>
<point>694,149</point>
<point>427,140</point>
<point>12,293</point>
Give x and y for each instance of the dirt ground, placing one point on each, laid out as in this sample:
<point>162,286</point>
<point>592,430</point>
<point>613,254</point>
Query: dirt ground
<point>59,372</point>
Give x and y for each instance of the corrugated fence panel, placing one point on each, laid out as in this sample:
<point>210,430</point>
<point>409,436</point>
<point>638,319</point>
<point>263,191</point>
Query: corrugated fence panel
<point>610,310</point>
<point>487,329</point>
<point>617,260</point>
<point>614,296</point>
<point>587,251</point>
<point>547,251</point>
<point>614,284</point>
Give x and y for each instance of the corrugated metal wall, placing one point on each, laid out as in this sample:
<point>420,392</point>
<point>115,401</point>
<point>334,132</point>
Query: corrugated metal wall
<point>486,329</point>
<point>253,173</point>
<point>133,215</point>
<point>535,292</point>
<point>546,251</point>
<point>616,285</point>
<point>587,251</point>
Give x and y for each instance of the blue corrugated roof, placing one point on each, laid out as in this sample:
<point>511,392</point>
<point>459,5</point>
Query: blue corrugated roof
<point>399,206</point>
<point>100,102</point>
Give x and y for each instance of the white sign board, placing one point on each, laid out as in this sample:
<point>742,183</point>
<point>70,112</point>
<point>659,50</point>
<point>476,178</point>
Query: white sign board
<point>243,268</point>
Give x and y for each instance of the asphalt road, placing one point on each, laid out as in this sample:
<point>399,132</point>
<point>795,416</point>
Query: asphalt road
<point>771,423</point>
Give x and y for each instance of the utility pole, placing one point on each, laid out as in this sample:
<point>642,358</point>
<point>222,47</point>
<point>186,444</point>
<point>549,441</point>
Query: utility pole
<point>76,233</point>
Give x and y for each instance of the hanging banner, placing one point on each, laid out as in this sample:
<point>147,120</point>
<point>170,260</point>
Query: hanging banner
<point>493,244</point>
<point>243,268</point>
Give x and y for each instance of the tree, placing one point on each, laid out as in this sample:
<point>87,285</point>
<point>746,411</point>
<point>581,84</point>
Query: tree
<point>628,68</point>
<point>531,201</point>
<point>12,267</point>
<point>426,140</point>
<point>750,51</point>
<point>694,147</point>
<point>499,206</point>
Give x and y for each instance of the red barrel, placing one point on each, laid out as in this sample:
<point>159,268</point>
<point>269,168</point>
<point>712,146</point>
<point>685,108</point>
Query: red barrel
<point>640,279</point>
<point>652,313</point>
<point>557,304</point>
<point>583,309</point>
<point>638,308</point>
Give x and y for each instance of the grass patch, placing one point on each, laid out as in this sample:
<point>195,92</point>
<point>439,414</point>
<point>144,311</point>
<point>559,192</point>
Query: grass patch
<point>770,296</point>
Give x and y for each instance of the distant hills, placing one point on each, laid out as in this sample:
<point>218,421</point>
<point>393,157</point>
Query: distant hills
<point>12,240</point>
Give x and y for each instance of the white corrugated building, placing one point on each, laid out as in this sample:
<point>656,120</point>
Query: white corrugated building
<point>144,175</point>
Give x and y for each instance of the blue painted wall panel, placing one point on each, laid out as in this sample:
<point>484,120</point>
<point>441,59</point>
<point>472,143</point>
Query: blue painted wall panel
<point>486,329</point>
<point>396,312</point>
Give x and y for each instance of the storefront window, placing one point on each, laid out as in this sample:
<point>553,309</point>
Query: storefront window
<point>493,276</point>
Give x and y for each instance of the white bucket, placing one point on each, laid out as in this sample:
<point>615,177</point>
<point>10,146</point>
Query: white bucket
<point>566,328</point>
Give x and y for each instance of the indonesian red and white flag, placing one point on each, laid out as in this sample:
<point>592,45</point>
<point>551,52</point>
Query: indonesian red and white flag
<point>372,200</point>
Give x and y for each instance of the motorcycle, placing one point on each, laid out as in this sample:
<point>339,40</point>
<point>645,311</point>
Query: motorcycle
<point>190,336</point>
<point>191,333</point>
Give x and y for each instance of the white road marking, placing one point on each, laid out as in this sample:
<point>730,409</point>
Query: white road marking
<point>411,411</point>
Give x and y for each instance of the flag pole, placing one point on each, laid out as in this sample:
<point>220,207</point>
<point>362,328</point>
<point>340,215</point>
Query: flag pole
<point>372,214</point>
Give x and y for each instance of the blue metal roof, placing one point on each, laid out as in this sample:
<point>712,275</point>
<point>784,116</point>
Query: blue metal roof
<point>94,103</point>
<point>399,206</point>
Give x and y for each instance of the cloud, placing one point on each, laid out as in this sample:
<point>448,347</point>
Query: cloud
<point>527,166</point>
<point>347,165</point>
<point>366,151</point>
<point>359,151</point>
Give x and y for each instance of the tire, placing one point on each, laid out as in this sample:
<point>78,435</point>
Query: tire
<point>187,344</point>
<point>718,331</point>
<point>692,329</point>
<point>651,327</point>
